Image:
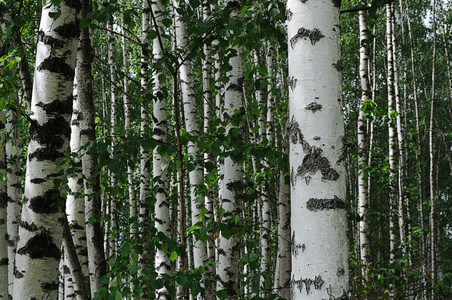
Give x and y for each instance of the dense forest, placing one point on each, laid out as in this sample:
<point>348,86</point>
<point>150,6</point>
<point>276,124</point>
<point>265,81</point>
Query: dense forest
<point>201,149</point>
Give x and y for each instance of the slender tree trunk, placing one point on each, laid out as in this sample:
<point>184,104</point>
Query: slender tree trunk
<point>145,162</point>
<point>94,236</point>
<point>423,240</point>
<point>431,143</point>
<point>446,55</point>
<point>232,183</point>
<point>208,159</point>
<point>316,154</point>
<point>192,127</point>
<point>113,226</point>
<point>363,149</point>
<point>38,250</point>
<point>392,135</point>
<point>127,107</point>
<point>401,160</point>
<point>160,172</point>
<point>75,206</point>
<point>4,263</point>
<point>14,193</point>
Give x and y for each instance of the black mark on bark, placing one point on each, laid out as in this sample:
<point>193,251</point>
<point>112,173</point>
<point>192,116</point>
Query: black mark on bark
<point>314,106</point>
<point>292,82</point>
<point>68,30</point>
<point>313,162</point>
<point>303,33</point>
<point>47,203</point>
<point>57,65</point>
<point>40,246</point>
<point>315,204</point>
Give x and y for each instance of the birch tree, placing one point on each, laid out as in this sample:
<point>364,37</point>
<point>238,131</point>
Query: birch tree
<point>3,205</point>
<point>159,164</point>
<point>231,189</point>
<point>317,172</point>
<point>40,231</point>
<point>91,180</point>
<point>363,202</point>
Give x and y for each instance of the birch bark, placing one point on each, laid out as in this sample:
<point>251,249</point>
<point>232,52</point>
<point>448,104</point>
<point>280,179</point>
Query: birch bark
<point>40,230</point>
<point>363,201</point>
<point>160,172</point>
<point>94,235</point>
<point>392,135</point>
<point>232,182</point>
<point>111,206</point>
<point>145,163</point>
<point>192,127</point>
<point>316,154</point>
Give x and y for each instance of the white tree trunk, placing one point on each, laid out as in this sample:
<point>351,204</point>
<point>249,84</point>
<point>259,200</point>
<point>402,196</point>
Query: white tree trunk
<point>208,158</point>
<point>38,250</point>
<point>192,127</point>
<point>392,136</point>
<point>232,184</point>
<point>145,163</point>
<point>14,190</point>
<point>317,171</point>
<point>113,226</point>
<point>160,172</point>
<point>363,201</point>
<point>75,206</point>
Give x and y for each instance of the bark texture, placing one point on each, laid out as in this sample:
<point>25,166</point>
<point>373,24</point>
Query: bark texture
<point>40,230</point>
<point>316,154</point>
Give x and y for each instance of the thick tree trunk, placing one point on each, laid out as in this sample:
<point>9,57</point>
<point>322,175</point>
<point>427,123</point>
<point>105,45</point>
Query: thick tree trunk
<point>316,155</point>
<point>38,250</point>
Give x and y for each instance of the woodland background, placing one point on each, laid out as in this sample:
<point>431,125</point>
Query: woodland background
<point>400,237</point>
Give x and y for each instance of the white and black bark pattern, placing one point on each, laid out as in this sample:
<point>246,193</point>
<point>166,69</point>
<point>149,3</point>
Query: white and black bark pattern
<point>160,172</point>
<point>14,193</point>
<point>401,158</point>
<point>192,127</point>
<point>316,153</point>
<point>208,157</point>
<point>392,136</point>
<point>145,162</point>
<point>112,236</point>
<point>75,202</point>
<point>4,262</point>
<point>363,201</point>
<point>94,234</point>
<point>232,183</point>
<point>40,229</point>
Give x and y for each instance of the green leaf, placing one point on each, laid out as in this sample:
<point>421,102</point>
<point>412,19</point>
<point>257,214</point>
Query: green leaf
<point>173,256</point>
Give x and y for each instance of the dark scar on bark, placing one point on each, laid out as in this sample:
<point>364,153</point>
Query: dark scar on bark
<point>314,161</point>
<point>314,36</point>
<point>315,204</point>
